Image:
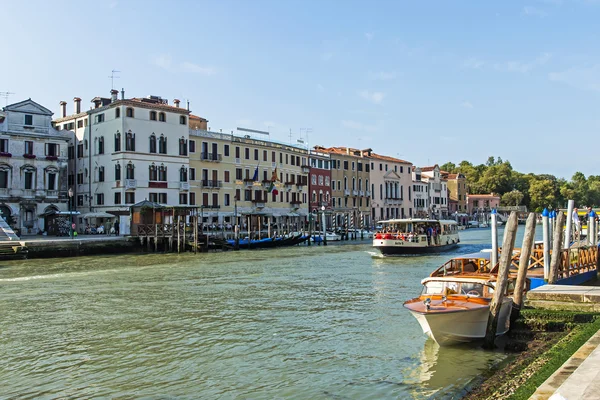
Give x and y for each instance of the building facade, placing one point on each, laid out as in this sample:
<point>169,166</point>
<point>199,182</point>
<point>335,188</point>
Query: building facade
<point>391,187</point>
<point>438,191</point>
<point>127,151</point>
<point>33,169</point>
<point>480,204</point>
<point>350,187</point>
<point>261,184</point>
<point>420,194</point>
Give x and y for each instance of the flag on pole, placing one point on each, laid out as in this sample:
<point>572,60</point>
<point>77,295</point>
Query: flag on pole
<point>274,176</point>
<point>255,177</point>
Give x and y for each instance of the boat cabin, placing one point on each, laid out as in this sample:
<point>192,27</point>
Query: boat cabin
<point>475,263</point>
<point>468,287</point>
<point>416,230</point>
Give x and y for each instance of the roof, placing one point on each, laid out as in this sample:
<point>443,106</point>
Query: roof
<point>430,168</point>
<point>387,158</point>
<point>197,118</point>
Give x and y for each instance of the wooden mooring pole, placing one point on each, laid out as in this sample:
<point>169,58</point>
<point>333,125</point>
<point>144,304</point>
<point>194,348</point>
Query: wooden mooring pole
<point>502,280</point>
<point>178,234</point>
<point>195,219</point>
<point>557,247</point>
<point>524,262</point>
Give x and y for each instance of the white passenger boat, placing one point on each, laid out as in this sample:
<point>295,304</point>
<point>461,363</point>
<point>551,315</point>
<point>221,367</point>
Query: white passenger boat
<point>416,236</point>
<point>454,305</point>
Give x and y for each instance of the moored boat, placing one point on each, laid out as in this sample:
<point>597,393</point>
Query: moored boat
<point>454,305</point>
<point>416,236</point>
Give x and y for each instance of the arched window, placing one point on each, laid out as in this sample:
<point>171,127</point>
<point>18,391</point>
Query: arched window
<point>129,112</point>
<point>101,145</point>
<point>162,117</point>
<point>182,120</point>
<point>153,143</point>
<point>314,196</point>
<point>162,144</point>
<point>162,173</point>
<point>183,147</point>
<point>5,176</point>
<point>117,112</point>
<point>130,171</point>
<point>153,173</point>
<point>117,141</point>
<point>183,174</point>
<point>320,196</point>
<point>130,141</point>
<point>152,115</point>
<point>117,172</point>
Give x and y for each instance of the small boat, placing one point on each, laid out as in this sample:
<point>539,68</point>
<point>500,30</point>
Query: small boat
<point>329,236</point>
<point>416,236</point>
<point>268,243</point>
<point>454,305</point>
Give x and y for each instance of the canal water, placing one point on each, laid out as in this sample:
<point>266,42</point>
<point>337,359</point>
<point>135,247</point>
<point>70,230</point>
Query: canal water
<point>303,322</point>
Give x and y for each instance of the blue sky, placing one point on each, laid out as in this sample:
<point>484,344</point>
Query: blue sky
<point>425,81</point>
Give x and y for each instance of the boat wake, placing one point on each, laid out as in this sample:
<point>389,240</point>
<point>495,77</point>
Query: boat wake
<point>375,254</point>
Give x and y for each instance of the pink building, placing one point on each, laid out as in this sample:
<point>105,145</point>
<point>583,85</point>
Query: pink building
<point>482,203</point>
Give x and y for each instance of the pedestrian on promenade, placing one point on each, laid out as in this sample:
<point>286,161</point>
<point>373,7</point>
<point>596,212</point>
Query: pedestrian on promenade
<point>576,224</point>
<point>116,226</point>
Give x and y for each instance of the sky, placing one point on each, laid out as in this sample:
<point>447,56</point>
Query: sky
<point>424,81</point>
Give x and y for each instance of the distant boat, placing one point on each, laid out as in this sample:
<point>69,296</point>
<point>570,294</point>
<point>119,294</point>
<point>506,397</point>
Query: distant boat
<point>329,236</point>
<point>410,236</point>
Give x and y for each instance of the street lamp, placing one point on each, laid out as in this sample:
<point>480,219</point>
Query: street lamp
<point>70,192</point>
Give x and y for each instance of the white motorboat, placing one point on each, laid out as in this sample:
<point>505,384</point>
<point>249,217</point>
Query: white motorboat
<point>416,236</point>
<point>329,236</point>
<point>454,305</point>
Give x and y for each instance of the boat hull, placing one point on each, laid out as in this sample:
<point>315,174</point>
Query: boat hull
<point>391,249</point>
<point>455,327</point>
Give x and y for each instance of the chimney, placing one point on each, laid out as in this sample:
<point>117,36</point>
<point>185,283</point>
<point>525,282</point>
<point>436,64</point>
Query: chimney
<point>188,105</point>
<point>176,102</point>
<point>122,94</point>
<point>77,101</point>
<point>113,95</point>
<point>63,109</point>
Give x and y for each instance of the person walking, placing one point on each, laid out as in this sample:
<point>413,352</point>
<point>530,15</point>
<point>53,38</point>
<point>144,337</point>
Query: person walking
<point>116,226</point>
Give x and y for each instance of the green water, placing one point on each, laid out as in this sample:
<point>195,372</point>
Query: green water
<point>303,323</point>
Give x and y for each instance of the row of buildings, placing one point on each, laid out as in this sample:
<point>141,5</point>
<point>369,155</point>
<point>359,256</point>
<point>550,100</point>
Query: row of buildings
<point>96,163</point>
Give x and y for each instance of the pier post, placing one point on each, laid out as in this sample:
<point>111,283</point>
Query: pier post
<point>269,227</point>
<point>546,240</point>
<point>494,220</point>
<point>309,229</point>
<point>324,227</point>
<point>524,260</point>
<point>508,244</point>
<point>196,232</point>
<point>570,206</point>
<point>556,248</point>
<point>156,238</point>
<point>592,229</point>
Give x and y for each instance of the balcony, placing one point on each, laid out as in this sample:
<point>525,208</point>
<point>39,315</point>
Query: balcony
<point>248,182</point>
<point>28,193</point>
<point>130,183</point>
<point>361,193</point>
<point>368,193</point>
<point>392,201</point>
<point>212,157</point>
<point>288,186</point>
<point>208,184</point>
<point>184,186</point>
<point>4,192</point>
<point>354,192</point>
<point>346,192</point>
<point>52,194</point>
<point>210,207</point>
<point>259,203</point>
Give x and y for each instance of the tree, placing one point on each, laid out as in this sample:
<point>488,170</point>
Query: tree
<point>543,194</point>
<point>512,198</point>
<point>449,167</point>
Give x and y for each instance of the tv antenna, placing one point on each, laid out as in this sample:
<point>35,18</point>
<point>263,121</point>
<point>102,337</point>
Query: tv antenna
<point>112,78</point>
<point>5,95</point>
<point>306,132</point>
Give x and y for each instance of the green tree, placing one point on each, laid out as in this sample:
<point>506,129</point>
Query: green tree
<point>512,198</point>
<point>542,193</point>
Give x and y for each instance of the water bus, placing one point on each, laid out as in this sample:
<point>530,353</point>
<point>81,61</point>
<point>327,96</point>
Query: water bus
<point>416,236</point>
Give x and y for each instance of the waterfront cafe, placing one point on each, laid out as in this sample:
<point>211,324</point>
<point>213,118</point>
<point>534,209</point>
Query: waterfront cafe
<point>146,214</point>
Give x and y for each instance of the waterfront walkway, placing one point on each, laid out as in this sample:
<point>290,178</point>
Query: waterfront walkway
<point>579,377</point>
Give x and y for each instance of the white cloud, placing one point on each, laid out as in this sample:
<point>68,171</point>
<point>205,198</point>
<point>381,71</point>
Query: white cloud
<point>586,78</point>
<point>326,56</point>
<point>523,67</point>
<point>373,97</point>
<point>162,61</point>
<point>534,12</point>
<point>198,69</point>
<point>466,104</point>
<point>473,63</point>
<point>369,36</point>
<point>350,124</point>
<point>382,75</point>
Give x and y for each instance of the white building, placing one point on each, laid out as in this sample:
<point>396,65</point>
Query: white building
<point>391,182</point>
<point>33,169</point>
<point>438,191</point>
<point>420,194</point>
<point>126,151</point>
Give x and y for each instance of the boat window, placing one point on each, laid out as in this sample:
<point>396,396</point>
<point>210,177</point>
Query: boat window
<point>448,288</point>
<point>472,289</point>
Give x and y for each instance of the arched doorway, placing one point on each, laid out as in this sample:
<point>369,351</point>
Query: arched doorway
<point>6,213</point>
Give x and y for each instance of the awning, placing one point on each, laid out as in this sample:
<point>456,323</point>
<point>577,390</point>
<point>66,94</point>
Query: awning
<point>100,214</point>
<point>54,212</point>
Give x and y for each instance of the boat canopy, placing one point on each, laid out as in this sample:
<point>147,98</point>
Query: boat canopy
<point>419,221</point>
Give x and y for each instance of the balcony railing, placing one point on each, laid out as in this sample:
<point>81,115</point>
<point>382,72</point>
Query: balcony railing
<point>210,207</point>
<point>208,184</point>
<point>214,157</point>
<point>361,193</point>
<point>130,183</point>
<point>259,203</point>
<point>4,192</point>
<point>52,193</point>
<point>368,193</point>
<point>354,192</point>
<point>346,192</point>
<point>184,186</point>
